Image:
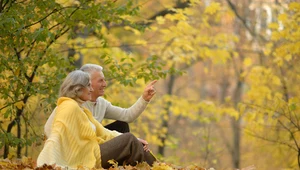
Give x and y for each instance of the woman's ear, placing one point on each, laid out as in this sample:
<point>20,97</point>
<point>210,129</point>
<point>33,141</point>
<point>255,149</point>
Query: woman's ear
<point>77,91</point>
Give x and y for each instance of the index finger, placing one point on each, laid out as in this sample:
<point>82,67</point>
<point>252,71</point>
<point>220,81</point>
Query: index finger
<point>152,83</point>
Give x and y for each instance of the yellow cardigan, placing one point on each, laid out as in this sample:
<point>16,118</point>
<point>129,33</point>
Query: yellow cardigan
<point>72,141</point>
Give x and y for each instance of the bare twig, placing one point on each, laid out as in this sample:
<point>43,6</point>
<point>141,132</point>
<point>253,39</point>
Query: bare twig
<point>272,140</point>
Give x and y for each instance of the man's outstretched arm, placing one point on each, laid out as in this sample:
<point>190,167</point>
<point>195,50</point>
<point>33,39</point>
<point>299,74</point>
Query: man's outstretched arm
<point>130,114</point>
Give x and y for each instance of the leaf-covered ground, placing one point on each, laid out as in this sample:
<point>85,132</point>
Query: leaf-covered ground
<point>29,164</point>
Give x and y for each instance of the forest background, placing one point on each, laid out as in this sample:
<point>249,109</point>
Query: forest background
<point>228,70</point>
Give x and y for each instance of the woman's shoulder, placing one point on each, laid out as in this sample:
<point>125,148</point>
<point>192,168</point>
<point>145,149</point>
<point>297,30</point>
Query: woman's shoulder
<point>68,105</point>
<point>66,101</point>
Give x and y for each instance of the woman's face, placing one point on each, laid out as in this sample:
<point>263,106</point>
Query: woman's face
<point>86,92</point>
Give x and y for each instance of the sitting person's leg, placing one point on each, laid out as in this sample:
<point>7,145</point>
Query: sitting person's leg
<point>119,126</point>
<point>124,148</point>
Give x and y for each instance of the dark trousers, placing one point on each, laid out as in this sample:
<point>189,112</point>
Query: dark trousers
<point>125,149</point>
<point>119,126</point>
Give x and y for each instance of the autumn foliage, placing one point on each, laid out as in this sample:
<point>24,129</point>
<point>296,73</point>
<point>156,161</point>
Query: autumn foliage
<point>228,71</point>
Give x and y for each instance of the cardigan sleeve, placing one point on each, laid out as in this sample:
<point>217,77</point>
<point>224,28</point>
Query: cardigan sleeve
<point>48,125</point>
<point>102,133</point>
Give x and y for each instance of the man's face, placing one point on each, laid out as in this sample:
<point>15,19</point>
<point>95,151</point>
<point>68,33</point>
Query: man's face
<point>98,84</point>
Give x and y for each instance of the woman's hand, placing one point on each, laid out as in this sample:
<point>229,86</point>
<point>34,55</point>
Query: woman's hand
<point>145,144</point>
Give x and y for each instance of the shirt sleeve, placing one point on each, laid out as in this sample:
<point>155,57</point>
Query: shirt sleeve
<point>126,114</point>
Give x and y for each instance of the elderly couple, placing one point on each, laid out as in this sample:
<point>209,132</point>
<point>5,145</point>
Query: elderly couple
<point>75,136</point>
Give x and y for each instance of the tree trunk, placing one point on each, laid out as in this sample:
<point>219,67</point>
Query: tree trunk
<point>235,124</point>
<point>19,147</point>
<point>6,145</point>
<point>165,124</point>
<point>26,137</point>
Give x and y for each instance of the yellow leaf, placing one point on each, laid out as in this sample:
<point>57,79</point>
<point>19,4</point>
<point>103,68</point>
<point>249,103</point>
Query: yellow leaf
<point>268,47</point>
<point>77,56</point>
<point>161,166</point>
<point>278,95</point>
<point>278,61</point>
<point>243,74</point>
<point>153,28</point>
<point>113,163</point>
<point>141,42</point>
<point>195,1</point>
<point>213,8</point>
<point>294,6</point>
<point>274,26</point>
<point>160,20</point>
<point>247,62</point>
<point>228,99</point>
<point>165,31</point>
<point>19,104</point>
<point>232,112</point>
<point>182,25</point>
<point>282,17</point>
<point>276,80</point>
<point>180,16</point>
<point>135,31</point>
<point>250,117</point>
<point>4,163</point>
<point>12,155</point>
<point>294,100</point>
<point>189,11</point>
<point>288,57</point>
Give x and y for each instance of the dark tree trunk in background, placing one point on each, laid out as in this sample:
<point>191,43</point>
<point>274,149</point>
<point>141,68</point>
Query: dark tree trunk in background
<point>170,86</point>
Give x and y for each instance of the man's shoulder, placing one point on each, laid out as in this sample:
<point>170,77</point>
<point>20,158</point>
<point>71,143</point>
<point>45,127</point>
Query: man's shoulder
<point>102,100</point>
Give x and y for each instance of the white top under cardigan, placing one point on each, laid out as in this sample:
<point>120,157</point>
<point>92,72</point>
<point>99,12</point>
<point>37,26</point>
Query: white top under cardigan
<point>104,109</point>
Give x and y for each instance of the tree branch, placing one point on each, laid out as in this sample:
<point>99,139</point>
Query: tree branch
<point>291,133</point>
<point>234,9</point>
<point>282,113</point>
<point>272,140</point>
<point>53,11</point>
<point>9,104</point>
<point>63,31</point>
<point>2,6</point>
<point>179,5</point>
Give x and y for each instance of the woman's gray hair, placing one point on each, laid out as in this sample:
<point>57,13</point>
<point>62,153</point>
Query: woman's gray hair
<point>73,83</point>
<point>90,68</point>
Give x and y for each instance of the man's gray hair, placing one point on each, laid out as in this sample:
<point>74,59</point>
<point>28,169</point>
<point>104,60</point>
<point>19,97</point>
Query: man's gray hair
<point>73,83</point>
<point>90,68</point>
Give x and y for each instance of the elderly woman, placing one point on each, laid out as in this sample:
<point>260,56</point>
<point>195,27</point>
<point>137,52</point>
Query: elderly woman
<point>77,139</point>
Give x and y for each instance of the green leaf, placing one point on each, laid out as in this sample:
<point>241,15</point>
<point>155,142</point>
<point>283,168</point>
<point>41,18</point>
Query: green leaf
<point>293,107</point>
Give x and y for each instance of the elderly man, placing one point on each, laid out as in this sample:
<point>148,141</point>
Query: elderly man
<point>102,108</point>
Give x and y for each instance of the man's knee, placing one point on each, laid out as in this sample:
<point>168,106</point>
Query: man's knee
<point>130,138</point>
<point>129,135</point>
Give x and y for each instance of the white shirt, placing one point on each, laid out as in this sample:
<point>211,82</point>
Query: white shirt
<point>104,109</point>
